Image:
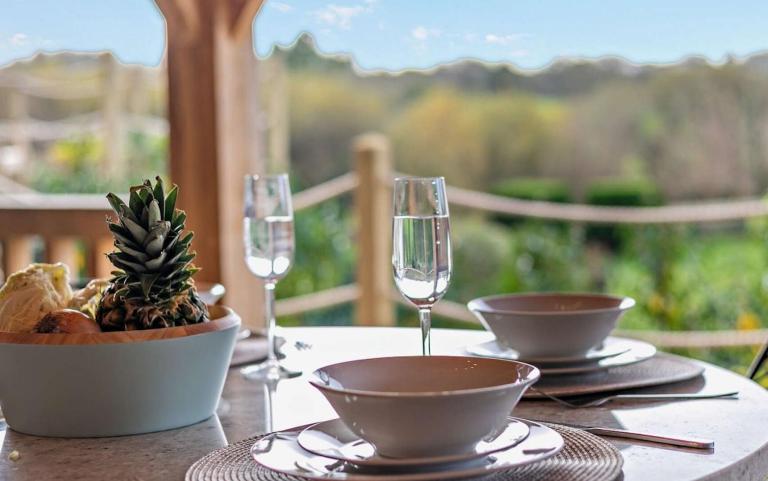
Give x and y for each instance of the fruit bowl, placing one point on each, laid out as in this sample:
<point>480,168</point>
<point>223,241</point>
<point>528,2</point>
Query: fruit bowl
<point>115,383</point>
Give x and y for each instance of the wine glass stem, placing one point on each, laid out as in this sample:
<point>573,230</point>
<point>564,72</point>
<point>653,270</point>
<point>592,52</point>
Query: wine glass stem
<point>269,302</point>
<point>425,318</point>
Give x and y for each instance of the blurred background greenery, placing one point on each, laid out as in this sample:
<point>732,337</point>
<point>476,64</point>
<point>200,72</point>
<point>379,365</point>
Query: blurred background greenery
<point>603,133</point>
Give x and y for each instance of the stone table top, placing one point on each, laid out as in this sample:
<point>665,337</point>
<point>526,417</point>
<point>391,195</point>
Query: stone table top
<point>739,427</point>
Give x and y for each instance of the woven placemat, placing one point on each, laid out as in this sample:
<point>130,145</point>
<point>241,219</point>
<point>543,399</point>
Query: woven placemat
<point>585,457</point>
<point>661,369</point>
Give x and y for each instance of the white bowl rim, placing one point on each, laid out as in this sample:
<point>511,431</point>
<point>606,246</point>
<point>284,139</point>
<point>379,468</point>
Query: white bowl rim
<point>223,318</point>
<point>625,303</point>
<point>532,377</point>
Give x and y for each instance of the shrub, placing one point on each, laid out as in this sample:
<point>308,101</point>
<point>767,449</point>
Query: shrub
<point>533,188</point>
<point>530,188</point>
<point>623,192</point>
<point>619,192</point>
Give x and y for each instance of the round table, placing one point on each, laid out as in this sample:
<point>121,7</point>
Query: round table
<point>739,427</point>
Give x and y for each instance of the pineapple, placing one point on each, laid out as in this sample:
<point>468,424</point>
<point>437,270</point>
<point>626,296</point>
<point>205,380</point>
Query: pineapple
<point>153,286</point>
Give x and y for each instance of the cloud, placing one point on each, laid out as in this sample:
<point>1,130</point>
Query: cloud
<point>341,16</point>
<point>422,33</point>
<point>503,40</point>
<point>282,7</point>
<point>18,39</point>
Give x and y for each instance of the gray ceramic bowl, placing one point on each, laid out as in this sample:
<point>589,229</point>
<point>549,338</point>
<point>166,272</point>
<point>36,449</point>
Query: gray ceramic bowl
<point>545,325</point>
<point>115,383</point>
<point>420,406</point>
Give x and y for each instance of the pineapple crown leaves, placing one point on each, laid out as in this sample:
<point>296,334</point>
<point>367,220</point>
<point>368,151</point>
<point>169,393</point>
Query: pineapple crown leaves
<point>152,252</point>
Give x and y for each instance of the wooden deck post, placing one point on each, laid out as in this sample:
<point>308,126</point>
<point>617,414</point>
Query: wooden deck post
<point>215,135</point>
<point>17,254</point>
<point>98,263</point>
<point>373,209</point>
<point>64,249</point>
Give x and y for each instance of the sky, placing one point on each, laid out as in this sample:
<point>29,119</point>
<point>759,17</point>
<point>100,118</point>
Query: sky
<point>402,34</point>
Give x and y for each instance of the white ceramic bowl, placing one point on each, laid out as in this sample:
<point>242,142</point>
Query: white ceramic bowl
<point>419,406</point>
<point>544,325</point>
<point>115,383</point>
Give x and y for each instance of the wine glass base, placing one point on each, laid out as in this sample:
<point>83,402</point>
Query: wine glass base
<point>269,370</point>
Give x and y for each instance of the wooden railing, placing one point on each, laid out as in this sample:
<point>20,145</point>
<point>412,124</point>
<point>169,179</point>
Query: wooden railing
<point>64,220</point>
<point>374,297</point>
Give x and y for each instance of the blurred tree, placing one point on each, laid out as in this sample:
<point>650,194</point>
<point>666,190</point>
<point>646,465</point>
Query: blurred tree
<point>326,112</point>
<point>440,134</point>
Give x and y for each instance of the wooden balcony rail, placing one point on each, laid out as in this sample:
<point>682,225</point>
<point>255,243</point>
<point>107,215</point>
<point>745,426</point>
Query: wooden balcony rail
<point>325,191</point>
<point>63,221</point>
<point>317,300</point>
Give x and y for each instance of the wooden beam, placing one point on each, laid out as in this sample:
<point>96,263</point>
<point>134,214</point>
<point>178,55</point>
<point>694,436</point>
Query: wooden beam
<point>215,138</point>
<point>184,15</point>
<point>241,15</point>
<point>98,263</point>
<point>64,249</point>
<point>17,254</point>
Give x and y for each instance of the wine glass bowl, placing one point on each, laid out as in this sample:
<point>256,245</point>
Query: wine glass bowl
<point>421,252</point>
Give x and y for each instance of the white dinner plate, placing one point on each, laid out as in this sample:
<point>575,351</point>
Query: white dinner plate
<point>612,346</point>
<point>280,452</point>
<point>333,439</point>
<point>636,351</point>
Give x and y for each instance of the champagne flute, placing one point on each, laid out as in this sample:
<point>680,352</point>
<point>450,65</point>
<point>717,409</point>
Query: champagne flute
<point>269,245</point>
<point>421,245</point>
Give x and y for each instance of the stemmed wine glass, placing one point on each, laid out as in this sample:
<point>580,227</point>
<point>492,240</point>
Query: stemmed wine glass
<point>269,245</point>
<point>421,245</point>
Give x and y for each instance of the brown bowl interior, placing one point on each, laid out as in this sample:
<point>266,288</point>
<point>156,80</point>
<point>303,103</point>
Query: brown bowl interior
<point>221,318</point>
<point>546,303</point>
<point>423,374</point>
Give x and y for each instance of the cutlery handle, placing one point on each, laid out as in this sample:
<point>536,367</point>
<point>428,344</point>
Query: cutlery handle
<point>654,438</point>
<point>661,397</point>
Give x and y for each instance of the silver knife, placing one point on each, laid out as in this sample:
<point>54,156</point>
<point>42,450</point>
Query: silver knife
<point>653,438</point>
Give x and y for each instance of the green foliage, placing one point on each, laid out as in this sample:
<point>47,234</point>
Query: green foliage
<point>481,254</point>
<point>623,192</point>
<point>324,258</point>
<point>474,140</point>
<point>326,113</point>
<point>439,134</point>
<point>533,188</point>
<point>77,165</point>
<point>619,192</point>
<point>530,188</point>
<point>545,257</point>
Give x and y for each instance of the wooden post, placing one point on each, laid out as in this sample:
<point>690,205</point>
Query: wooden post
<point>373,209</point>
<point>98,263</point>
<point>64,249</point>
<point>17,253</point>
<point>215,135</point>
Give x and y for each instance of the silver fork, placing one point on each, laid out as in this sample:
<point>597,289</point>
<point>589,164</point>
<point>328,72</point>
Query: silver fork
<point>595,402</point>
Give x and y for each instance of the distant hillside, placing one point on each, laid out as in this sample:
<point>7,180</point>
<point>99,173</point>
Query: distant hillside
<point>564,77</point>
